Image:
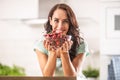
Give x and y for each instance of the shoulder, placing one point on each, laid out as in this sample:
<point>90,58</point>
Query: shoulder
<point>40,46</point>
<point>83,47</point>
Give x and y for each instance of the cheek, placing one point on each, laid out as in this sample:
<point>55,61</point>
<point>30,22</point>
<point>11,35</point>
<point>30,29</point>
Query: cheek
<point>67,27</point>
<point>54,27</point>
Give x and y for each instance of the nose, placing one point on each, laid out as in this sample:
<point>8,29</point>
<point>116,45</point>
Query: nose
<point>60,25</point>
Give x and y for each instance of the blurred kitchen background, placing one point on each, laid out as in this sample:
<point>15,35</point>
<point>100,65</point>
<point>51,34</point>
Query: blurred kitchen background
<point>21,25</point>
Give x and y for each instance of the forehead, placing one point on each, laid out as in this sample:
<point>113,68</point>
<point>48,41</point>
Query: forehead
<point>60,14</point>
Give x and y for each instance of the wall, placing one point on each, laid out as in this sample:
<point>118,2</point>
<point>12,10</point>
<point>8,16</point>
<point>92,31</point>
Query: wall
<point>16,45</point>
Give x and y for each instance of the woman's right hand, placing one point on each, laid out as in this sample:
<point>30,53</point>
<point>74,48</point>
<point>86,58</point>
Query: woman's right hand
<point>49,47</point>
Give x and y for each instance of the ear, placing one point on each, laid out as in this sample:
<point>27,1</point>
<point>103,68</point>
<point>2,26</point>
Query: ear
<point>50,19</point>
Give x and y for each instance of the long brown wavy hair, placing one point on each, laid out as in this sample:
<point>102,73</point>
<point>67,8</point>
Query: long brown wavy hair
<point>73,27</point>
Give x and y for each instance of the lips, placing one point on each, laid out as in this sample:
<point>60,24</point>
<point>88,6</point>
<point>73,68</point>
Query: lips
<point>61,31</point>
<point>58,31</point>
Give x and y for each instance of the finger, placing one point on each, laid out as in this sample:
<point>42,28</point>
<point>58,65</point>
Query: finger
<point>53,48</point>
<point>46,44</point>
<point>71,42</point>
<point>62,48</point>
<point>69,45</point>
<point>65,46</point>
<point>49,48</point>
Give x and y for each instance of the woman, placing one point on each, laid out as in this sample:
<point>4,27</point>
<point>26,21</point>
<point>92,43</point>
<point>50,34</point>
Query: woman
<point>70,55</point>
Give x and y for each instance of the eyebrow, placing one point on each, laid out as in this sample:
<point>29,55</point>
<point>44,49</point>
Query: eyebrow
<point>63,19</point>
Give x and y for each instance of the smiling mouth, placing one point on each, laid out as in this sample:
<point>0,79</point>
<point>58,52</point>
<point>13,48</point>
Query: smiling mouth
<point>59,31</point>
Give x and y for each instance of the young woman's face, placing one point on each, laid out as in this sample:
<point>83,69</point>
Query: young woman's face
<point>59,21</point>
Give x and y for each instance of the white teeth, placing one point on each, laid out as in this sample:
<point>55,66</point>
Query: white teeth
<point>59,31</point>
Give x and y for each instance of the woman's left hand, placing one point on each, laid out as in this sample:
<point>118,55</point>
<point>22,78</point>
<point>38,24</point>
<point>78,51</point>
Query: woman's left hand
<point>65,47</point>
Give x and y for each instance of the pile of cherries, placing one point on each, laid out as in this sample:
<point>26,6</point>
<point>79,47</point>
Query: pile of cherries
<point>56,39</point>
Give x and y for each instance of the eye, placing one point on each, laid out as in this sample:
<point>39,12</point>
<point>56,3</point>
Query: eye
<point>65,21</point>
<point>56,21</point>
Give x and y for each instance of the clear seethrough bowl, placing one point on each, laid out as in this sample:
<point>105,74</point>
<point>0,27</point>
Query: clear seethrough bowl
<point>56,39</point>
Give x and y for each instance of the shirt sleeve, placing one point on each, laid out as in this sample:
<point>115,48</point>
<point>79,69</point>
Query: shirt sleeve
<point>83,48</point>
<point>39,46</point>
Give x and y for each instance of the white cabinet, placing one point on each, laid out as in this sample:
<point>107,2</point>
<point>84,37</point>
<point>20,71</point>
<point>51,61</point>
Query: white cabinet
<point>25,9</point>
<point>109,36</point>
<point>110,29</point>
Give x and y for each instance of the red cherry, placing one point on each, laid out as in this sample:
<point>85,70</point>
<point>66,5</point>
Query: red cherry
<point>54,36</point>
<point>57,43</point>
